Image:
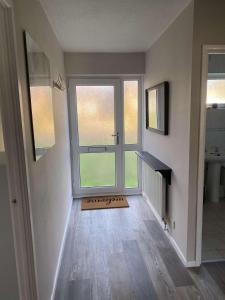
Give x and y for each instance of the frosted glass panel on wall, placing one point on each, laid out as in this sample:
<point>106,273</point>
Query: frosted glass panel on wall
<point>97,169</point>
<point>216,79</point>
<point>95,111</point>
<point>216,91</point>
<point>131,112</point>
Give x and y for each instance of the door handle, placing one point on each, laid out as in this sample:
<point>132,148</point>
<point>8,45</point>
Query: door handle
<point>116,135</point>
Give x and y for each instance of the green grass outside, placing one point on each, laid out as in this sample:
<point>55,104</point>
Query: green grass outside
<point>131,178</point>
<point>99,169</point>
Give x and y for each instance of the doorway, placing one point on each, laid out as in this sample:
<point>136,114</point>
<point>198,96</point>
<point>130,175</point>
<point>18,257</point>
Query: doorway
<point>17,262</point>
<point>211,194</point>
<point>105,133</point>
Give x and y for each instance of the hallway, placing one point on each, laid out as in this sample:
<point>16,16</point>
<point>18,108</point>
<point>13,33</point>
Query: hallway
<point>124,254</point>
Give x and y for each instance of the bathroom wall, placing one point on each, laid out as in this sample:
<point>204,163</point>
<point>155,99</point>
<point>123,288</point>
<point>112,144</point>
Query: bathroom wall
<point>216,64</point>
<point>49,177</point>
<point>215,129</point>
<point>170,59</point>
<point>215,117</point>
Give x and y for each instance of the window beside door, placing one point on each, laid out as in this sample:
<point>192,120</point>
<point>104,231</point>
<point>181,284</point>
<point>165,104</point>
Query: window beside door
<point>130,92</point>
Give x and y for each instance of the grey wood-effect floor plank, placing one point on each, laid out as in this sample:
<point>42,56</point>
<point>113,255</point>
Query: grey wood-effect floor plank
<point>64,273</point>
<point>156,233</point>
<point>120,279</point>
<point>160,277</point>
<point>206,284</point>
<point>188,293</point>
<point>176,269</point>
<point>101,261</point>
<point>91,259</point>
<point>80,290</point>
<point>141,280</point>
<point>217,272</point>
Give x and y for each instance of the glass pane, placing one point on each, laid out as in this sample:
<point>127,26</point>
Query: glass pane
<point>43,120</point>
<point>40,85</point>
<point>130,112</point>
<point>152,109</point>
<point>97,169</point>
<point>131,176</point>
<point>216,91</point>
<point>95,110</point>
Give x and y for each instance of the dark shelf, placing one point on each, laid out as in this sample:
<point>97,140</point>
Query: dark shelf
<point>156,165</point>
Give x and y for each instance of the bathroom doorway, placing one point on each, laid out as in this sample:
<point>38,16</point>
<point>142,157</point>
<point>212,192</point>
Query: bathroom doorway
<point>213,160</point>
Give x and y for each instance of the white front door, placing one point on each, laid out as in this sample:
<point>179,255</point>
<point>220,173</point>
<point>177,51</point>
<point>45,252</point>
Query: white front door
<point>104,136</point>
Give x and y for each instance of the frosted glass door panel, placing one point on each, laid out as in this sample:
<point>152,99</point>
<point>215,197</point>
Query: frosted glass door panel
<point>95,111</point>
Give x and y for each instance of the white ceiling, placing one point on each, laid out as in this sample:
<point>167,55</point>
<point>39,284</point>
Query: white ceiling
<point>110,25</point>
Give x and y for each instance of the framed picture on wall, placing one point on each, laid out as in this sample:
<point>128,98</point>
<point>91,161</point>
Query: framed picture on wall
<point>39,86</point>
<point>157,108</point>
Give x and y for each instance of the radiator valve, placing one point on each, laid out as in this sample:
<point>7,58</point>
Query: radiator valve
<point>165,224</point>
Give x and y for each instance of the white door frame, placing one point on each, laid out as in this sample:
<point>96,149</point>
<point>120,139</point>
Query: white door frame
<point>16,162</point>
<point>201,161</point>
<point>72,81</point>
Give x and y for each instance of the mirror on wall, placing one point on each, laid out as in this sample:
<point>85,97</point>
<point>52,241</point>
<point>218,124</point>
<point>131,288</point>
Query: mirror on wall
<point>157,107</point>
<point>40,97</point>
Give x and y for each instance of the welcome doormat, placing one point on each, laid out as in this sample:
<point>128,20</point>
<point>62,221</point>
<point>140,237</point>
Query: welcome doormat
<point>104,202</point>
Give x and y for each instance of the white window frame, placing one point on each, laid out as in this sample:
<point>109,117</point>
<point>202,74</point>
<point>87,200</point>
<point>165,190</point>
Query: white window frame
<point>77,191</point>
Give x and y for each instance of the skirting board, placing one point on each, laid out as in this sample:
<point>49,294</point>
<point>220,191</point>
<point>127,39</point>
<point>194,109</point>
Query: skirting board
<point>61,250</point>
<point>188,264</point>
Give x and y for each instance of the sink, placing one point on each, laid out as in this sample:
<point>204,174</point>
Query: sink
<point>215,156</point>
<point>215,160</point>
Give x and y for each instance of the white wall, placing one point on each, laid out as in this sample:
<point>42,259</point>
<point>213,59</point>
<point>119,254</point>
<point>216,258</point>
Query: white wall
<point>8,271</point>
<point>104,63</point>
<point>177,57</point>
<point>170,59</point>
<point>50,180</point>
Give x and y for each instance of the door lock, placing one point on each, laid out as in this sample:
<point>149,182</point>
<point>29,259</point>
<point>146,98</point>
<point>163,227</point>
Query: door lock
<point>117,137</point>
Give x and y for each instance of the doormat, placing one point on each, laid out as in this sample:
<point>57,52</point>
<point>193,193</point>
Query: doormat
<point>104,202</point>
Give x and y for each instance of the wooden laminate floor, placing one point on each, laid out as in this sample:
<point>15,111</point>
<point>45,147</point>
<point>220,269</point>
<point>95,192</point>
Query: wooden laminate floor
<point>124,254</point>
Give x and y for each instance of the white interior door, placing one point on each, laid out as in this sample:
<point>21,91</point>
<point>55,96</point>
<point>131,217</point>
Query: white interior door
<point>98,137</point>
